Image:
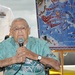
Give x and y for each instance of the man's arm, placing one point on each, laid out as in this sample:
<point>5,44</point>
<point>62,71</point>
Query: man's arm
<point>6,62</point>
<point>18,58</point>
<point>23,53</point>
<point>50,61</point>
<point>45,60</point>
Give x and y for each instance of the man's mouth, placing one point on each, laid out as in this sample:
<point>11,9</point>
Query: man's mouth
<point>20,36</point>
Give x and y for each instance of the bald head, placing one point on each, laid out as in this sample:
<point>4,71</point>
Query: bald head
<point>19,20</point>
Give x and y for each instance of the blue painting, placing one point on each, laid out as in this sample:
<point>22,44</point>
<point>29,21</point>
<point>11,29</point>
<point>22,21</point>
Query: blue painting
<point>56,22</point>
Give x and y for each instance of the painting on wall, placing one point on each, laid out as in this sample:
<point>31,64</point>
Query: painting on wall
<point>56,22</point>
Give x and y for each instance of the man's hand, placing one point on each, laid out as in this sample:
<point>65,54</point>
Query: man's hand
<point>18,58</point>
<point>20,55</point>
<point>30,54</point>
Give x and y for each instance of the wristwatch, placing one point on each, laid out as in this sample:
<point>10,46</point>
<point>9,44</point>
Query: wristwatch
<point>39,57</point>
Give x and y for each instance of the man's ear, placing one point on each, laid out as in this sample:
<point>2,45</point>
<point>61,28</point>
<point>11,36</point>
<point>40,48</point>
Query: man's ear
<point>29,31</point>
<point>10,33</point>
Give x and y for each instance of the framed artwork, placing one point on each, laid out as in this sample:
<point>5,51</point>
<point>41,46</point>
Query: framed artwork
<point>56,22</point>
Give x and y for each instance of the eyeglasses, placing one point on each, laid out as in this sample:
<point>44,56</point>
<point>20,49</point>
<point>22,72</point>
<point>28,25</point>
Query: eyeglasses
<point>21,28</point>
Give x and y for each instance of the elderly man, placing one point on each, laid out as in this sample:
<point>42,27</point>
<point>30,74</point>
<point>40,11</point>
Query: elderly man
<point>24,55</point>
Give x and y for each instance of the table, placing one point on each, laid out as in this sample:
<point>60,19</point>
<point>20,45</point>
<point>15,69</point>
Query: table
<point>62,51</point>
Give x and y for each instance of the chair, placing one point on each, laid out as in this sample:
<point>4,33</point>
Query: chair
<point>50,71</point>
<point>47,69</point>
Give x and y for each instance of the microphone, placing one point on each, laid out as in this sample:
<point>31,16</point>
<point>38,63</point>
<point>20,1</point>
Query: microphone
<point>20,42</point>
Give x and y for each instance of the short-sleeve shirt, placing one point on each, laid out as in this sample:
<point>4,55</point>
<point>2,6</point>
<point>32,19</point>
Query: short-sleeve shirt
<point>8,48</point>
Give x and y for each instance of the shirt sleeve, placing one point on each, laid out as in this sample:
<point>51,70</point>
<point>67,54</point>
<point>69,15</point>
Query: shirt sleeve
<point>1,55</point>
<point>48,52</point>
<point>2,51</point>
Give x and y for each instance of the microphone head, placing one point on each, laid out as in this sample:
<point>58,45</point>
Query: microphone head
<point>20,42</point>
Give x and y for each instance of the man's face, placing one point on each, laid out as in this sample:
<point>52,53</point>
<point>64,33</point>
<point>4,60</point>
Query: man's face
<point>20,29</point>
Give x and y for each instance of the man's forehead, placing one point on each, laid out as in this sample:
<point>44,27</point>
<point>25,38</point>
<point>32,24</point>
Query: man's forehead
<point>19,23</point>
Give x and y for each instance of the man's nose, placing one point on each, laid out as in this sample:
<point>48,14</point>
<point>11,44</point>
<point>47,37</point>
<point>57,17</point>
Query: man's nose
<point>19,31</point>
